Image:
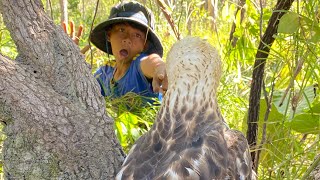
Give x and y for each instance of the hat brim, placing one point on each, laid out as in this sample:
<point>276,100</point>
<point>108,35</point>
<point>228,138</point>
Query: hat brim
<point>99,33</point>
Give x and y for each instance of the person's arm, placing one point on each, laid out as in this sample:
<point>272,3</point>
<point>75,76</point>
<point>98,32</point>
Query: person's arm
<point>154,67</point>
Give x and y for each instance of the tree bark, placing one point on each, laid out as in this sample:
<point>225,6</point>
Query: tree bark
<point>258,71</point>
<point>56,123</point>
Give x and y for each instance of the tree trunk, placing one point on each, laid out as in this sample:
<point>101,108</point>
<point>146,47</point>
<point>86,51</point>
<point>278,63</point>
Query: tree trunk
<point>56,123</point>
<point>213,10</point>
<point>64,11</point>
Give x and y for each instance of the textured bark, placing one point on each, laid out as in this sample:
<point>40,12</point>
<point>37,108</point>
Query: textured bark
<point>258,71</point>
<point>56,123</point>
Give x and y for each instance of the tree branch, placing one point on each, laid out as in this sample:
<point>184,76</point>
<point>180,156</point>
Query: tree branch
<point>49,52</point>
<point>169,18</point>
<point>240,6</point>
<point>258,71</point>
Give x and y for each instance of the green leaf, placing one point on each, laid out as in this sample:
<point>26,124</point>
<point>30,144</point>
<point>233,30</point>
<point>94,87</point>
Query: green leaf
<point>315,36</point>
<point>274,115</point>
<point>306,123</point>
<point>311,29</point>
<point>277,99</point>
<point>135,133</point>
<point>303,104</point>
<point>276,134</point>
<point>315,108</point>
<point>128,118</point>
<point>121,132</point>
<point>289,23</point>
<point>306,101</point>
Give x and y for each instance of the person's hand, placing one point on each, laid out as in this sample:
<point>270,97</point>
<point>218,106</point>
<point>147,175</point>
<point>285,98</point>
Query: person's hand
<point>160,79</point>
<point>72,35</point>
<point>75,37</point>
<point>152,66</point>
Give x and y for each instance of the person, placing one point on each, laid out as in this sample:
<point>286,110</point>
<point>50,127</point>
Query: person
<point>128,34</point>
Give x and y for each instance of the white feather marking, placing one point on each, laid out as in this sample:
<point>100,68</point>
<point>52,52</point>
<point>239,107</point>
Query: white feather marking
<point>131,150</point>
<point>245,156</point>
<point>239,164</point>
<point>171,174</point>
<point>119,175</point>
<point>192,174</point>
<point>195,163</point>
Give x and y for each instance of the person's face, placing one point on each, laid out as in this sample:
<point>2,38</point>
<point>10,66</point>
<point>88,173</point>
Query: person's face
<point>126,42</point>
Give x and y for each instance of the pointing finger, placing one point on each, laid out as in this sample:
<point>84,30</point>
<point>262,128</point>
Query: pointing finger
<point>71,24</point>
<point>164,83</point>
<point>80,30</point>
<point>79,33</point>
<point>64,27</point>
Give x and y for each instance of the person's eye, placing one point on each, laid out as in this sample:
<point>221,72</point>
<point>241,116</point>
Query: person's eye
<point>138,36</point>
<point>122,30</point>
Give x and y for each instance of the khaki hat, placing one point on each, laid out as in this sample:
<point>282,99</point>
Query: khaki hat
<point>133,12</point>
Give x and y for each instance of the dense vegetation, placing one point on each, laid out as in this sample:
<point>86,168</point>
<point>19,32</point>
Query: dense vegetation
<point>289,120</point>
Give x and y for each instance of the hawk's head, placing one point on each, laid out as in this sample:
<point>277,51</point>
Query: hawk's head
<point>193,64</point>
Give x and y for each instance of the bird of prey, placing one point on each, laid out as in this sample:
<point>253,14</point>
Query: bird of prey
<point>189,138</point>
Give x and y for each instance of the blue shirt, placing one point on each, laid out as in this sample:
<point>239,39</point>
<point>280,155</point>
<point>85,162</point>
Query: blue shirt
<point>133,81</point>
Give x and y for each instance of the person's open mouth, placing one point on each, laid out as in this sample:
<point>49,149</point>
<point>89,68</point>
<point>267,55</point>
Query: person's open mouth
<point>124,52</point>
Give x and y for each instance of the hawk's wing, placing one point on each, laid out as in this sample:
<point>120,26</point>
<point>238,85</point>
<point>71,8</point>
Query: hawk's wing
<point>239,158</point>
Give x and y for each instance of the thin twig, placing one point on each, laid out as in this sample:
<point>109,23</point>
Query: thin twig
<point>315,163</point>
<point>261,18</point>
<point>169,18</point>
<point>94,17</point>
<point>50,5</point>
<point>296,72</point>
<point>240,6</point>
<point>266,116</point>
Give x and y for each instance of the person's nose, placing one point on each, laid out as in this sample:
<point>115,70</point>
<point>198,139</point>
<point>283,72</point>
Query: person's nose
<point>127,39</point>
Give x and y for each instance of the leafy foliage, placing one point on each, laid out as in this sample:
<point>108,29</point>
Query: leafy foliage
<point>7,46</point>
<point>132,117</point>
<point>287,144</point>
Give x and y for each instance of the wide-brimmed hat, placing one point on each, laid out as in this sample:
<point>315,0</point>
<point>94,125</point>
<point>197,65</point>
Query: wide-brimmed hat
<point>133,12</point>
